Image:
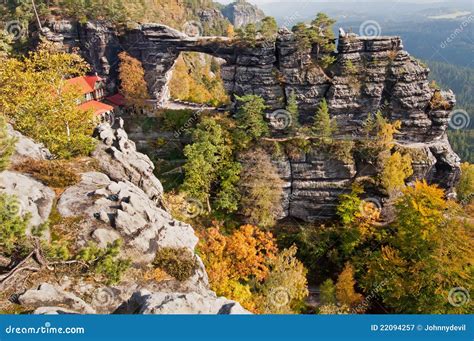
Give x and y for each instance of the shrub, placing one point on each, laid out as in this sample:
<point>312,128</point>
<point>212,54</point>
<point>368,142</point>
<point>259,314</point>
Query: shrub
<point>438,102</point>
<point>105,261</point>
<point>179,263</point>
<point>54,173</point>
<point>7,145</point>
<point>333,309</point>
<point>12,225</point>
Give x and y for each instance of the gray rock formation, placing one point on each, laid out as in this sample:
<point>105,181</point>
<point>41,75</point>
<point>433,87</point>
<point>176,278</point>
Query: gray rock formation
<point>50,299</point>
<point>241,13</point>
<point>145,302</point>
<point>119,159</point>
<point>26,148</point>
<point>129,213</point>
<point>33,197</point>
<point>47,295</point>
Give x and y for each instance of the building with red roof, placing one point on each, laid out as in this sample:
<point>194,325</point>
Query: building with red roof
<point>92,88</point>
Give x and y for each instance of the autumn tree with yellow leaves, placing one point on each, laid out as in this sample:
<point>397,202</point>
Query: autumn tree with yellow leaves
<point>345,288</point>
<point>35,98</point>
<point>429,253</point>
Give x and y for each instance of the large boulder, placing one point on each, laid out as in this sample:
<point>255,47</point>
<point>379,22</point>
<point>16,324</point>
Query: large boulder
<point>33,197</point>
<point>47,295</point>
<point>26,148</point>
<point>145,302</point>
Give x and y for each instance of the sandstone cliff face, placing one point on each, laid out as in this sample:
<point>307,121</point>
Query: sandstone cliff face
<point>369,74</point>
<point>241,13</point>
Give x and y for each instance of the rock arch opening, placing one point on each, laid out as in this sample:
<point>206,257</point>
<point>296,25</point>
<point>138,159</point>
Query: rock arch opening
<point>196,80</point>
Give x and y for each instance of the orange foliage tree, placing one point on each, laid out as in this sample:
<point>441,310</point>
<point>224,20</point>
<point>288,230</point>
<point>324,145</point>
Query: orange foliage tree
<point>246,266</point>
<point>132,80</point>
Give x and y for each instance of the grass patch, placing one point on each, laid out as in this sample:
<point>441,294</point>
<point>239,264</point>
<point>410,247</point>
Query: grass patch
<point>57,173</point>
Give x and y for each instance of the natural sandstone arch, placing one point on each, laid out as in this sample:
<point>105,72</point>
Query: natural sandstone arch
<point>246,70</point>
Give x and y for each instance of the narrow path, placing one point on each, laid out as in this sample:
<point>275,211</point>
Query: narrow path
<point>183,105</point>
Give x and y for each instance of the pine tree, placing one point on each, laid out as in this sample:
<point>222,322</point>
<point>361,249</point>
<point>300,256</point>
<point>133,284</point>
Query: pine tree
<point>292,108</point>
<point>323,125</point>
<point>268,28</point>
<point>250,118</point>
<point>328,292</point>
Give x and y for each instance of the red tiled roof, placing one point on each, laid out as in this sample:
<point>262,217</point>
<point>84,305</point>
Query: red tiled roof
<point>98,107</point>
<point>117,99</point>
<point>85,84</point>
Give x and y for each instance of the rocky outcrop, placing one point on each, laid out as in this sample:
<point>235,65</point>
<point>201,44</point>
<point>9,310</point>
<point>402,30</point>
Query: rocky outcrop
<point>126,208</point>
<point>145,302</point>
<point>241,13</point>
<point>128,213</point>
<point>313,182</point>
<point>118,158</point>
<point>33,197</point>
